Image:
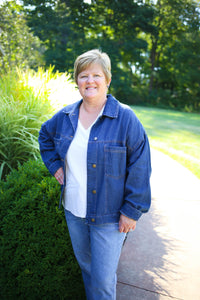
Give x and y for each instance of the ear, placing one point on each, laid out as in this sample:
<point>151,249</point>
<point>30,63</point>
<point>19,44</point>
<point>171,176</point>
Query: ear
<point>109,83</point>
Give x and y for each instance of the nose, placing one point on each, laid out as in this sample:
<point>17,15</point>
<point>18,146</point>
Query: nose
<point>90,78</point>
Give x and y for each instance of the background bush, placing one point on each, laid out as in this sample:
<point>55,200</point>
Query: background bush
<point>36,257</point>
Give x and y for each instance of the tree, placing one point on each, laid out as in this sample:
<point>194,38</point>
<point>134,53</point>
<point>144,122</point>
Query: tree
<point>187,61</point>
<point>174,54</point>
<point>116,27</point>
<point>19,46</point>
<point>69,27</point>
<point>60,25</point>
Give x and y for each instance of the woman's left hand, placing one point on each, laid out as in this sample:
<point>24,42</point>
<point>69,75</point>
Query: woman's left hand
<point>126,224</point>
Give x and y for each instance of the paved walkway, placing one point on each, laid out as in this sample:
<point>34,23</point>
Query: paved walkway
<point>161,258</point>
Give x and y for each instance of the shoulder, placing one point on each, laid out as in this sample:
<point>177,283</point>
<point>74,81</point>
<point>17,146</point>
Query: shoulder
<point>59,117</point>
<point>121,107</point>
<point>128,114</point>
<point>69,109</point>
<point>130,121</point>
<point>116,109</point>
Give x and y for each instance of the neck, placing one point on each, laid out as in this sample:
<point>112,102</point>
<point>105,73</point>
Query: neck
<point>88,113</point>
<point>92,107</point>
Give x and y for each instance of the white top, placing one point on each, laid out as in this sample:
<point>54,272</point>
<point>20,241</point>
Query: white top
<point>75,195</point>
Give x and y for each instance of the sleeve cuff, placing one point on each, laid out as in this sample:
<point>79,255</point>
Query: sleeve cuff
<point>54,167</point>
<point>131,212</point>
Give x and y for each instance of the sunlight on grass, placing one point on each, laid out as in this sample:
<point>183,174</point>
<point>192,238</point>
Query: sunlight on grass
<point>176,134</point>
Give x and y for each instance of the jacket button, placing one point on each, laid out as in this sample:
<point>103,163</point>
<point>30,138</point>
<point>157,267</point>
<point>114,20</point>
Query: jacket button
<point>94,191</point>
<point>94,165</point>
<point>93,220</point>
<point>95,138</point>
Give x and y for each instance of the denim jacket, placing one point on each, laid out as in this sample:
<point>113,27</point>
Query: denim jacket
<point>118,160</point>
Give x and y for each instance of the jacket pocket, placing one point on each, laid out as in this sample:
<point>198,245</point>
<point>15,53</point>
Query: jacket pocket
<point>115,161</point>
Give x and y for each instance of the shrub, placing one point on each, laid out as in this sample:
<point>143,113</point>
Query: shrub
<point>36,257</point>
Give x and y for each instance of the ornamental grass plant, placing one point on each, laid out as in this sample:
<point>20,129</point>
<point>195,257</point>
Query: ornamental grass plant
<point>23,109</point>
<point>27,99</point>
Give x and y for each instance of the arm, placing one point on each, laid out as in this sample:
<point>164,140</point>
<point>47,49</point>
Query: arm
<point>49,154</point>
<point>137,195</point>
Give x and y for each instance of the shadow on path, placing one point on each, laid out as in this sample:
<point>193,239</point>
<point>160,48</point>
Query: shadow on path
<point>161,258</point>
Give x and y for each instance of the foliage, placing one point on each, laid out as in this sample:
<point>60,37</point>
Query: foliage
<point>153,45</point>
<point>18,44</point>
<point>36,257</point>
<point>118,31</point>
<point>27,99</point>
<point>24,106</point>
<point>174,55</point>
<point>60,25</point>
<point>177,134</point>
<point>70,27</point>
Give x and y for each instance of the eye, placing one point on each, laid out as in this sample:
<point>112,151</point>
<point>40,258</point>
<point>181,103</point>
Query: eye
<point>97,75</point>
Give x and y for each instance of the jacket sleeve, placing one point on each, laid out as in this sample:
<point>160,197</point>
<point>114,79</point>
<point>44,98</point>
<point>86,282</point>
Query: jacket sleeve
<point>48,152</point>
<point>137,197</point>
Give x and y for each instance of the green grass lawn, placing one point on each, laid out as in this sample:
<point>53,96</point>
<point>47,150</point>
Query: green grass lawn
<point>174,133</point>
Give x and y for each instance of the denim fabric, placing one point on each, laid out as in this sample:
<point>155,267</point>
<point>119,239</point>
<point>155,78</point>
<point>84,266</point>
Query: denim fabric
<point>118,160</point>
<point>97,249</point>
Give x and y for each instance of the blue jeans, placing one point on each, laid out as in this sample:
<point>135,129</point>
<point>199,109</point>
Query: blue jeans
<point>97,249</point>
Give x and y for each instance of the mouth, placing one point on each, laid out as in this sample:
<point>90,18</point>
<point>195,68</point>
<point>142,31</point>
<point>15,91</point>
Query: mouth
<point>90,88</point>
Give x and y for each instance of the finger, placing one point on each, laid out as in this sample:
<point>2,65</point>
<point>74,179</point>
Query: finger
<point>59,175</point>
<point>121,227</point>
<point>61,179</point>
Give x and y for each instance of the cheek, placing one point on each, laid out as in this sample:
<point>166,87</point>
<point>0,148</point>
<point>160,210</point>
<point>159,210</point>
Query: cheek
<point>80,84</point>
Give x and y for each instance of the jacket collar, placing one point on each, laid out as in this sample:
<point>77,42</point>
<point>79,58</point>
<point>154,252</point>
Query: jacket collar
<point>111,109</point>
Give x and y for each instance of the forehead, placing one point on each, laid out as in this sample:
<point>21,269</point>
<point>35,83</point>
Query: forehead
<point>94,67</point>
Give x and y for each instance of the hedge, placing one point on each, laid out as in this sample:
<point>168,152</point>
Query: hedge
<point>36,257</point>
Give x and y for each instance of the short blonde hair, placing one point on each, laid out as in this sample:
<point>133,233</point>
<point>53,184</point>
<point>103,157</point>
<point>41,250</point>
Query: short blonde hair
<point>93,56</point>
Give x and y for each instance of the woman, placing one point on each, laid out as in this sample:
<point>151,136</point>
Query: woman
<point>99,152</point>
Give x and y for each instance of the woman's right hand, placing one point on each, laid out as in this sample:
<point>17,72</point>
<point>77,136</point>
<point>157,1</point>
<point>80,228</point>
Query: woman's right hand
<point>59,175</point>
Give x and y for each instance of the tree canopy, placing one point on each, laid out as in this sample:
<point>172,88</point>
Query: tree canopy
<point>153,45</point>
<point>19,46</point>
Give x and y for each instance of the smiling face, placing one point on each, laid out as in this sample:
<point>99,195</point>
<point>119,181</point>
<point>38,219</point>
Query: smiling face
<point>92,83</point>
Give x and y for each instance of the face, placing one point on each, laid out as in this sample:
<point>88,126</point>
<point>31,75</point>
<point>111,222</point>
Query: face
<point>92,83</point>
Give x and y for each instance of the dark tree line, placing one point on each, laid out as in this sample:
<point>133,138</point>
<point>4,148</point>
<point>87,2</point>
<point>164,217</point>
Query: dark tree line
<point>154,47</point>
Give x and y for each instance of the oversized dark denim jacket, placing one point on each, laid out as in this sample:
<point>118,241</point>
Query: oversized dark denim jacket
<point>118,160</point>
